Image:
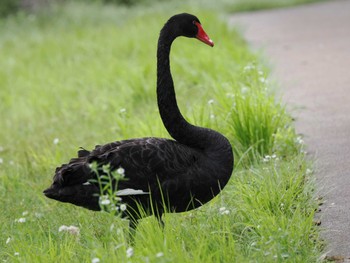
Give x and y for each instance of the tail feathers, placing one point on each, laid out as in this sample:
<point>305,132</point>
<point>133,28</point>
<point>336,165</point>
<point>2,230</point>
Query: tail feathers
<point>76,171</point>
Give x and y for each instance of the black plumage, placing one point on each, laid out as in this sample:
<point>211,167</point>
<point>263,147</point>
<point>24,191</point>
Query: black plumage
<point>183,173</point>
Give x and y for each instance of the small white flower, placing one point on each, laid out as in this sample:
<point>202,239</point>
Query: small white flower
<point>221,209</point>
<point>212,116</point>
<point>70,229</point>
<point>21,220</point>
<point>62,228</point>
<point>121,171</point>
<point>105,202</point>
<point>159,254</point>
<point>25,213</point>
<point>73,230</point>
<point>1,161</point>
<point>122,207</point>
<point>122,110</point>
<point>248,67</point>
<point>211,101</point>
<point>129,252</point>
<point>8,240</point>
<point>267,158</point>
<point>117,199</point>
<point>56,141</point>
<point>299,140</point>
<point>95,260</point>
<point>224,211</point>
<point>16,254</point>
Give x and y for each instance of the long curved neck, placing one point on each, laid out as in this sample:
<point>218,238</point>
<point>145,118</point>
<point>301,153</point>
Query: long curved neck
<point>174,122</point>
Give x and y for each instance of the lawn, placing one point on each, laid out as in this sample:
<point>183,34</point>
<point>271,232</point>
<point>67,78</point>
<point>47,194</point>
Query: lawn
<point>80,75</point>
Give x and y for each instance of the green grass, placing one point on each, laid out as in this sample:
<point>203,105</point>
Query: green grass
<point>86,75</point>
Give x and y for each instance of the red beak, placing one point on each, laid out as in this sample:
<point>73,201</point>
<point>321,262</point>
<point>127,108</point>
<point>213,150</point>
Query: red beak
<point>202,36</point>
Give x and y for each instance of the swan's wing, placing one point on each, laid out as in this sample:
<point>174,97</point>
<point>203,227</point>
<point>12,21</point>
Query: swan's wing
<point>146,160</point>
<point>163,168</point>
<point>150,164</point>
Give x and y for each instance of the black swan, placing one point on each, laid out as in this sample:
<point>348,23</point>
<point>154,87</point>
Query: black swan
<point>182,174</point>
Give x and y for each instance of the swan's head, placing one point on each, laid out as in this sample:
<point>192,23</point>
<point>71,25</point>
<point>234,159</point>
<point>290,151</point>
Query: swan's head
<point>189,26</point>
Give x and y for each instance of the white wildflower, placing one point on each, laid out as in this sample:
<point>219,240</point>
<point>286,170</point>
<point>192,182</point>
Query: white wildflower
<point>212,116</point>
<point>8,240</point>
<point>117,198</point>
<point>299,140</point>
<point>129,252</point>
<point>120,170</point>
<point>224,211</point>
<point>16,254</point>
<point>25,213</point>
<point>95,260</point>
<point>159,254</point>
<point>122,207</point>
<point>105,202</point>
<point>1,161</point>
<point>211,101</point>
<point>70,229</point>
<point>122,110</point>
<point>21,220</point>
<point>221,209</point>
<point>103,198</point>
<point>267,158</point>
<point>74,230</point>
<point>248,67</point>
<point>56,141</point>
<point>62,228</point>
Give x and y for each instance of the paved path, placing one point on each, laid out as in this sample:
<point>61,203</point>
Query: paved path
<point>309,47</point>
